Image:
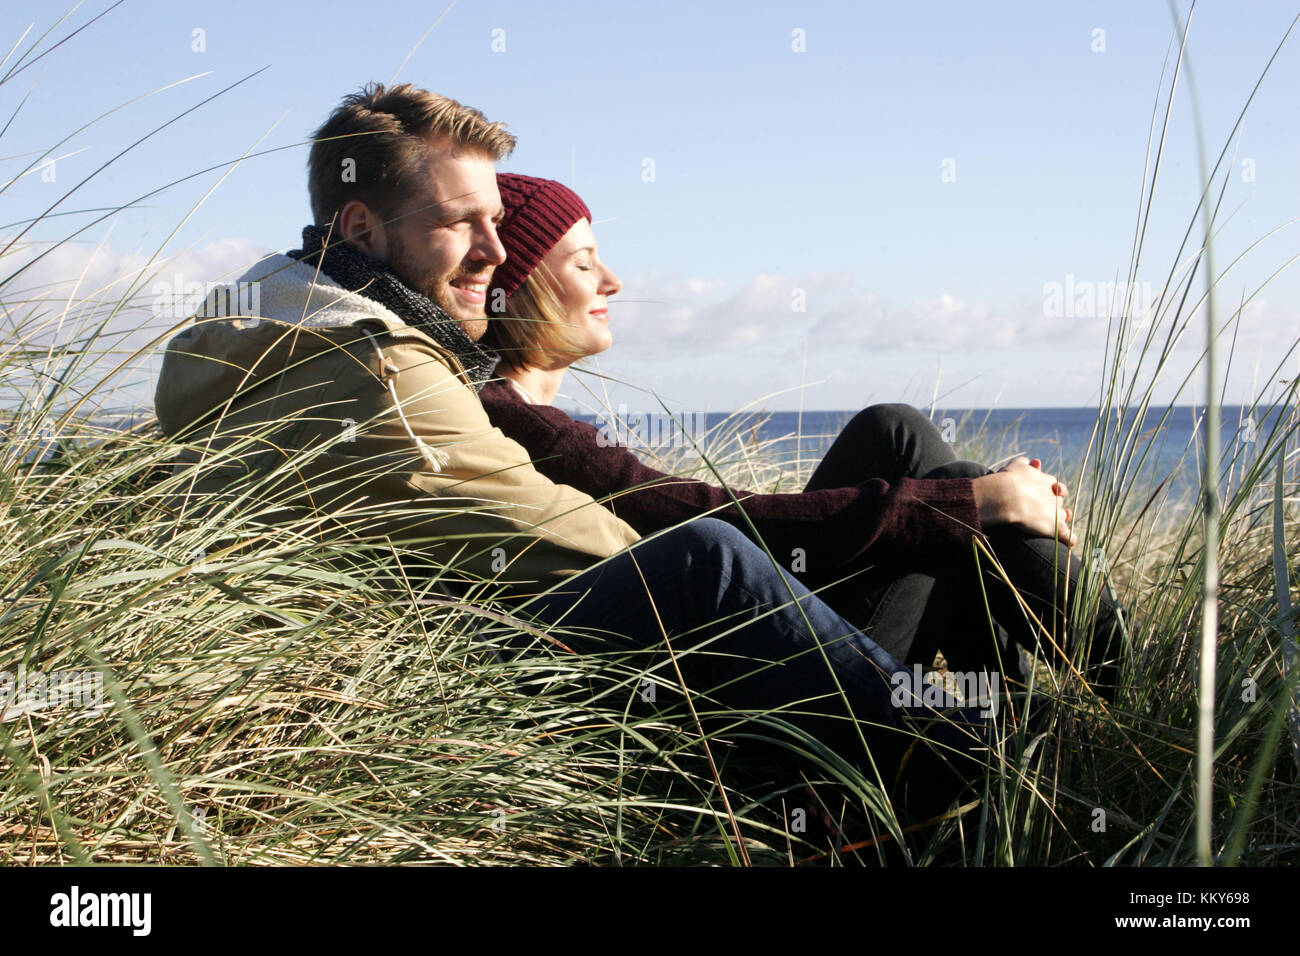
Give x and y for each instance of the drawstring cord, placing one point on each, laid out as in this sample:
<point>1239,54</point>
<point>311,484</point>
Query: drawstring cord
<point>435,458</point>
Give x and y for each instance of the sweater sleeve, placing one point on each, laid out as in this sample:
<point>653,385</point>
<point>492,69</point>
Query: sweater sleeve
<point>874,521</point>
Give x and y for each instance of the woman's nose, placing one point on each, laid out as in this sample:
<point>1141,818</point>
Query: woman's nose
<point>611,284</point>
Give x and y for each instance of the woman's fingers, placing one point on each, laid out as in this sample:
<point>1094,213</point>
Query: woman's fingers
<point>1059,488</point>
<point>1063,531</point>
<point>1068,537</point>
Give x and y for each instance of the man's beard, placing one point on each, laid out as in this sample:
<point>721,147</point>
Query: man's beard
<point>436,287</point>
<point>427,282</point>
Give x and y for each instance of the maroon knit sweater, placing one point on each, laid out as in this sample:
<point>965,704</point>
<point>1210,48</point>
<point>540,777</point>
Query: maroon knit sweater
<point>874,521</point>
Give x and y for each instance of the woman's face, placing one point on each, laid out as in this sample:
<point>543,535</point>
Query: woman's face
<point>581,284</point>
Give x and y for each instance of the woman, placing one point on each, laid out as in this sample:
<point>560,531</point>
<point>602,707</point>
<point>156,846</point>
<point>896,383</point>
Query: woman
<point>885,525</point>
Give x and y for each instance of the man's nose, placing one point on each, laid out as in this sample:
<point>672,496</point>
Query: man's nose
<point>489,247</point>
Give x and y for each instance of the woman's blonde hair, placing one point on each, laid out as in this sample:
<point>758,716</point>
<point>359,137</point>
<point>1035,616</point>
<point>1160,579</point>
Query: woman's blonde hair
<point>532,325</point>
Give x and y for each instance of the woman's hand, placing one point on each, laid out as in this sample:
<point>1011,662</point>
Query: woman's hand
<point>1021,495</point>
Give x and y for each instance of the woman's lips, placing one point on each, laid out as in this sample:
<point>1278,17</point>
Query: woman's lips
<point>602,314</point>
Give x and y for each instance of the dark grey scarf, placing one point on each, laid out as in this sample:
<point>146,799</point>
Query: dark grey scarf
<point>368,277</point>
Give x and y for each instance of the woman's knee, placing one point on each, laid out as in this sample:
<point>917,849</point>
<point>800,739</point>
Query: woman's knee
<point>916,445</point>
<point>889,417</point>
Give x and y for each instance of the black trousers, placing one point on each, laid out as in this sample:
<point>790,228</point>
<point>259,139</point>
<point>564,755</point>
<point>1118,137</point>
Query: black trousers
<point>959,604</point>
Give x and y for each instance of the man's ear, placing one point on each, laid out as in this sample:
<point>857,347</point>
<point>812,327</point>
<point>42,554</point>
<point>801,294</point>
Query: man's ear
<point>361,227</point>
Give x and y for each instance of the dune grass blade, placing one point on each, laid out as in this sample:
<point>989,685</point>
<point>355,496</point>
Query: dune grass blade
<point>1286,615</point>
<point>1208,658</point>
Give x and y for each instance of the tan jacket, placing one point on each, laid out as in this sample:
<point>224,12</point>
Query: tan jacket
<point>371,430</point>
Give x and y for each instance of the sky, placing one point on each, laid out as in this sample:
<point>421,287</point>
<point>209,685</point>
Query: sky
<point>816,205</point>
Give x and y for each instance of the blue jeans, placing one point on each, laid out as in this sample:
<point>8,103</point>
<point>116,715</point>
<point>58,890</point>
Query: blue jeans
<point>749,637</point>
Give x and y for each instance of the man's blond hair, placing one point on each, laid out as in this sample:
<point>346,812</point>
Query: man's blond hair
<point>374,144</point>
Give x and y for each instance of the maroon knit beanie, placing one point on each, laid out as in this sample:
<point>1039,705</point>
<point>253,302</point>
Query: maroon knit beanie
<point>538,214</point>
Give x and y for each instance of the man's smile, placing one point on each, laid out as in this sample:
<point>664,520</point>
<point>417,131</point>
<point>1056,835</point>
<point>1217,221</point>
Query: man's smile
<point>471,289</point>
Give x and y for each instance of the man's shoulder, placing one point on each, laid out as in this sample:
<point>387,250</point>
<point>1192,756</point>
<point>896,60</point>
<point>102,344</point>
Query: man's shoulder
<point>417,365</point>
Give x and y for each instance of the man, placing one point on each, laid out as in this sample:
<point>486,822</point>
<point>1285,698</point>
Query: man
<point>347,401</point>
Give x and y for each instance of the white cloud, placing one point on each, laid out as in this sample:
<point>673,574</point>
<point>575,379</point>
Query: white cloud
<point>77,279</point>
<point>715,344</point>
<point>660,316</point>
<point>62,297</point>
<point>946,324</point>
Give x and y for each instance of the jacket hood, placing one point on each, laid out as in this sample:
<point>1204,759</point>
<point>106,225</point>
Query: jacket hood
<point>240,337</point>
